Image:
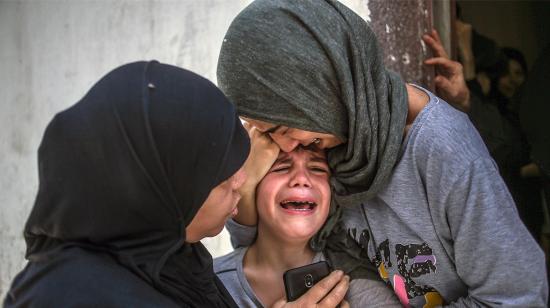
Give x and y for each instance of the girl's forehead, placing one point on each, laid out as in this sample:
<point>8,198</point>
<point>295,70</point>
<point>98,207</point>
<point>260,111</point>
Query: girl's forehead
<point>308,152</point>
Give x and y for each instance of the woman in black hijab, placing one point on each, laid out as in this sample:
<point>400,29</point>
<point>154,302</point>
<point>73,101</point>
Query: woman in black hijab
<point>131,178</point>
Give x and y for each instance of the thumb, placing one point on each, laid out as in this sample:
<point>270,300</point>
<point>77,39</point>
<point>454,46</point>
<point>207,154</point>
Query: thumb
<point>280,303</point>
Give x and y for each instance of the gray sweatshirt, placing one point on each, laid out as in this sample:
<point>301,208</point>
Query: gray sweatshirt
<point>361,293</point>
<point>445,230</point>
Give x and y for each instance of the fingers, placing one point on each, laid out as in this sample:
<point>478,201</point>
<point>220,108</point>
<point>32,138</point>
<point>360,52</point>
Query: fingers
<point>323,287</point>
<point>263,152</point>
<point>258,135</point>
<point>246,125</point>
<point>434,42</point>
<point>336,296</point>
<point>445,67</point>
<point>261,140</point>
<point>439,61</point>
<point>328,292</point>
<point>264,147</point>
<point>280,303</point>
<point>344,304</point>
<point>454,92</point>
<point>435,35</point>
<point>449,82</point>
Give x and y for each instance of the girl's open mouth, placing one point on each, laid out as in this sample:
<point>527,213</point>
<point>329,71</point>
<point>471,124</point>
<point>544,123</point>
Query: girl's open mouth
<point>298,206</point>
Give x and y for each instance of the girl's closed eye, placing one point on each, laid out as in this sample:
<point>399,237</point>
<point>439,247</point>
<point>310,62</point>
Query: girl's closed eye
<point>319,169</point>
<point>280,168</point>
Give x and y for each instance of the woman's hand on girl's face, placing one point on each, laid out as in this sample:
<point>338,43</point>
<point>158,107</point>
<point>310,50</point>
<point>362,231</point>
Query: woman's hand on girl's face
<point>328,292</point>
<point>263,153</point>
<point>289,138</point>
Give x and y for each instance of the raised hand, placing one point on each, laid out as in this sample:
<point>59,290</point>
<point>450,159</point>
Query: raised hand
<point>449,81</point>
<point>263,152</point>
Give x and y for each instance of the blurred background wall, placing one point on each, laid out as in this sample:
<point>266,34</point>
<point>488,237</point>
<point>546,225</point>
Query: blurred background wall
<point>524,25</point>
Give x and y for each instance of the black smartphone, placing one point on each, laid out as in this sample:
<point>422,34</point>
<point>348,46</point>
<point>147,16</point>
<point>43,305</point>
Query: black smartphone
<point>299,280</point>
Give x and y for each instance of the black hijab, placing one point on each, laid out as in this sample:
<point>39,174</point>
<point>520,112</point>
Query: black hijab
<point>122,173</point>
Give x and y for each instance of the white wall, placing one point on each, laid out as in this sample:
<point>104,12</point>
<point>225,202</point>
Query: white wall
<point>52,52</point>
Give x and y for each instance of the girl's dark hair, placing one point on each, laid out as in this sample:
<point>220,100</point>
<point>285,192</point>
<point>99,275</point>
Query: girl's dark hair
<point>514,54</point>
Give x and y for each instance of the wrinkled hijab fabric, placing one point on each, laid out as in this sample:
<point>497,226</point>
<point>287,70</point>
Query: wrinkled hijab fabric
<point>122,173</point>
<point>316,65</point>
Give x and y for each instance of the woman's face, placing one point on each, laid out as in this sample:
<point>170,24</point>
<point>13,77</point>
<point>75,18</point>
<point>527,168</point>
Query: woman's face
<point>289,138</point>
<point>510,83</point>
<point>293,199</point>
<point>218,207</point>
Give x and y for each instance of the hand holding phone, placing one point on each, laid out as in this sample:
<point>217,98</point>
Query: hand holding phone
<point>329,293</point>
<point>299,280</point>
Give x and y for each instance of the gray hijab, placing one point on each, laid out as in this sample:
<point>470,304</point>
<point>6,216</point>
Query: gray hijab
<point>316,65</point>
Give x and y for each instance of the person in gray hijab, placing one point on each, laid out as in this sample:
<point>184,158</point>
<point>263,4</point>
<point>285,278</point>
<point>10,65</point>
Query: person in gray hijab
<point>417,199</point>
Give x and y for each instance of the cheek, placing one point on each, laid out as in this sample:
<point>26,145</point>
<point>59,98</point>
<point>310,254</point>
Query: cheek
<point>324,191</point>
<point>266,193</point>
<point>262,197</point>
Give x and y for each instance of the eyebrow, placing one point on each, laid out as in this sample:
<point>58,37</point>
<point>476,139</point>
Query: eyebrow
<point>282,160</point>
<point>319,160</point>
<point>272,130</point>
<point>286,159</point>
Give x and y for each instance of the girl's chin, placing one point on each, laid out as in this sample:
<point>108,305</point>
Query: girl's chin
<point>304,232</point>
